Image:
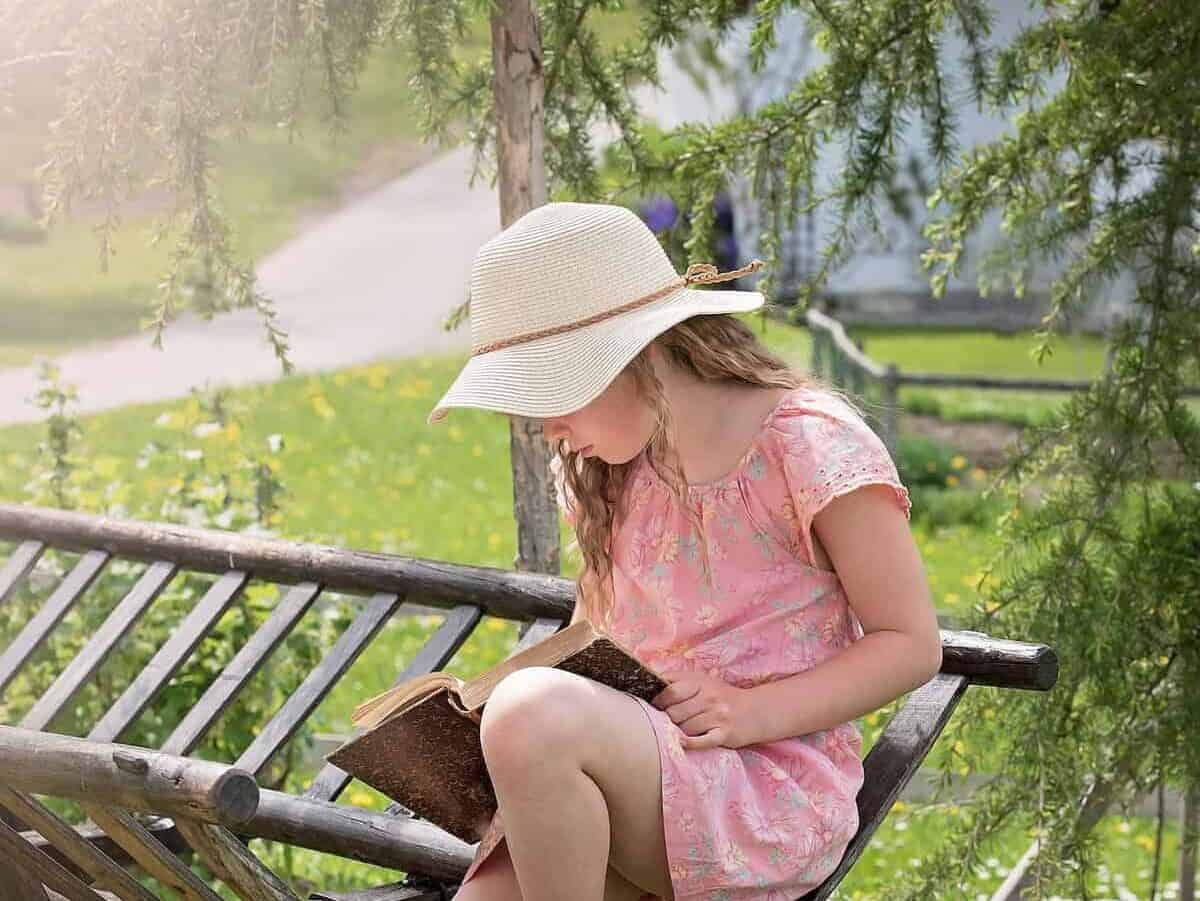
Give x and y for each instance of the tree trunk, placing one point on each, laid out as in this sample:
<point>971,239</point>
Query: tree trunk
<point>518,88</point>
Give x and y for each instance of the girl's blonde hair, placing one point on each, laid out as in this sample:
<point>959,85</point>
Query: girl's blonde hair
<point>714,347</point>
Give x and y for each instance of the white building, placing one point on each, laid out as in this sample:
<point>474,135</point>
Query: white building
<point>883,281</point>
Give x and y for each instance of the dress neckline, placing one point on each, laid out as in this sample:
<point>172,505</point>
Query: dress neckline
<point>736,472</point>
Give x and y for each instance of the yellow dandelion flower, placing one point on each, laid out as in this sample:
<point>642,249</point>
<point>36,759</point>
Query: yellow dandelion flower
<point>958,461</point>
<point>951,598</point>
<point>1145,842</point>
<point>424,450</point>
<point>322,407</point>
<point>377,377</point>
<point>477,450</point>
<point>978,473</point>
<point>361,799</point>
<point>952,480</point>
<point>232,432</point>
<point>931,466</point>
<point>494,540</point>
<point>454,433</point>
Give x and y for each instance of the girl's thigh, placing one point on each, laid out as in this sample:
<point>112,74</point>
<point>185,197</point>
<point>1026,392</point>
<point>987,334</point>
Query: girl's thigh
<point>496,880</point>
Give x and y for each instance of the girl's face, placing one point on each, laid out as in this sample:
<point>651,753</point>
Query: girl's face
<point>615,426</point>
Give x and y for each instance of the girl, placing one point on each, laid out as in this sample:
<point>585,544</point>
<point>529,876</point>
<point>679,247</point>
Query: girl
<point>742,530</point>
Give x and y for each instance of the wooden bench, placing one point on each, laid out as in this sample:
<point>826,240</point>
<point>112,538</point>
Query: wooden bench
<point>192,809</point>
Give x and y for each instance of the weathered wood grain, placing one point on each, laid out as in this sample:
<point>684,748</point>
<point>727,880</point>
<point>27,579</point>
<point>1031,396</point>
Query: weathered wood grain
<point>149,853</point>
<point>104,872</point>
<point>241,668</point>
<point>233,863</point>
<point>70,590</point>
<point>116,626</point>
<point>150,781</point>
<point>154,675</point>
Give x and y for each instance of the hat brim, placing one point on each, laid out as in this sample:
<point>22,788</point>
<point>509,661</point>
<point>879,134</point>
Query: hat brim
<point>557,375</point>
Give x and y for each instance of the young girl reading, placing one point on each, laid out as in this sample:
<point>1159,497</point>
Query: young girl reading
<point>742,530</point>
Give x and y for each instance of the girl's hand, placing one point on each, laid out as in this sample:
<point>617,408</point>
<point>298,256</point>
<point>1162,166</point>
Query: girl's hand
<point>711,712</point>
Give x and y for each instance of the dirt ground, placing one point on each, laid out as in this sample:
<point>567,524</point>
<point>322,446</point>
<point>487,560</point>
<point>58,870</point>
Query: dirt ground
<point>985,444</point>
<point>988,444</point>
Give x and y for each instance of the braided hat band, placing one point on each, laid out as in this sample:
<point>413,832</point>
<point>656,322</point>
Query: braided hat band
<point>697,274</point>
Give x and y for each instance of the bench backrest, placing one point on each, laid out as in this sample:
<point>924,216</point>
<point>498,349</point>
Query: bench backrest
<point>390,586</point>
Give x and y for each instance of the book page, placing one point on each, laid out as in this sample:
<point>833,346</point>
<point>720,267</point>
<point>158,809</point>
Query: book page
<point>400,697</point>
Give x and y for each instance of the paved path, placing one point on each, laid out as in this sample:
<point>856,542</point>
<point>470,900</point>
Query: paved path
<point>376,279</point>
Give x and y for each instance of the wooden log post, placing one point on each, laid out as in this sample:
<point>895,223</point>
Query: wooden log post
<point>124,776</point>
<point>858,375</point>
<point>817,366</point>
<point>891,407</point>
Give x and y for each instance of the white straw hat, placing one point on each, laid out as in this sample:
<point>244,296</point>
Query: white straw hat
<point>564,298</point>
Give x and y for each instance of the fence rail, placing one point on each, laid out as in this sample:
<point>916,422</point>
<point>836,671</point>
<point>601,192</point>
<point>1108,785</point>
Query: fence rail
<point>836,357</point>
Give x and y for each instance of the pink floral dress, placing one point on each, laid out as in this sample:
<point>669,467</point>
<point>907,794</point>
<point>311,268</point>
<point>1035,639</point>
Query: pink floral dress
<point>765,822</point>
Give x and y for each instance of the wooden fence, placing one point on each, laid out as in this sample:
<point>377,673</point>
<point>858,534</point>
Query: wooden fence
<point>836,358</point>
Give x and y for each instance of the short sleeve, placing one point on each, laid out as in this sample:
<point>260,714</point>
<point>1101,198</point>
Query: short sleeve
<point>828,450</point>
<point>566,500</point>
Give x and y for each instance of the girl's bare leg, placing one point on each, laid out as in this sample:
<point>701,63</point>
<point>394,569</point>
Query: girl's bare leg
<point>575,765</point>
<point>496,880</point>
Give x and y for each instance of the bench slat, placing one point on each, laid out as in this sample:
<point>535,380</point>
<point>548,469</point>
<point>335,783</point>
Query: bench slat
<point>105,873</point>
<point>541,628</point>
<point>242,668</point>
<point>233,863</point>
<point>118,624</point>
<point>18,566</point>
<point>82,574</point>
<point>318,683</point>
<point>149,853</point>
<point>892,761</point>
<point>162,828</point>
<point>170,657</point>
<point>42,868</point>
<point>331,781</point>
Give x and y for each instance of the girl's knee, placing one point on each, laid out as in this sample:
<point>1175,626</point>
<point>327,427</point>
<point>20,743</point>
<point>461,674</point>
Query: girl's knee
<point>535,710</point>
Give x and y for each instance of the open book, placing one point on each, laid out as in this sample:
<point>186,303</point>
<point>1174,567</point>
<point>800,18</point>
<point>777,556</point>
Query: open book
<point>419,741</point>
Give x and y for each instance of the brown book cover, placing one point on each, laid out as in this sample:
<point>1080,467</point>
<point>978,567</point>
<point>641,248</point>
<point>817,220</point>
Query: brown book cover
<point>419,743</point>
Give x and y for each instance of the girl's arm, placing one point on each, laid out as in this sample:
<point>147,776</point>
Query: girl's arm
<point>868,540</point>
